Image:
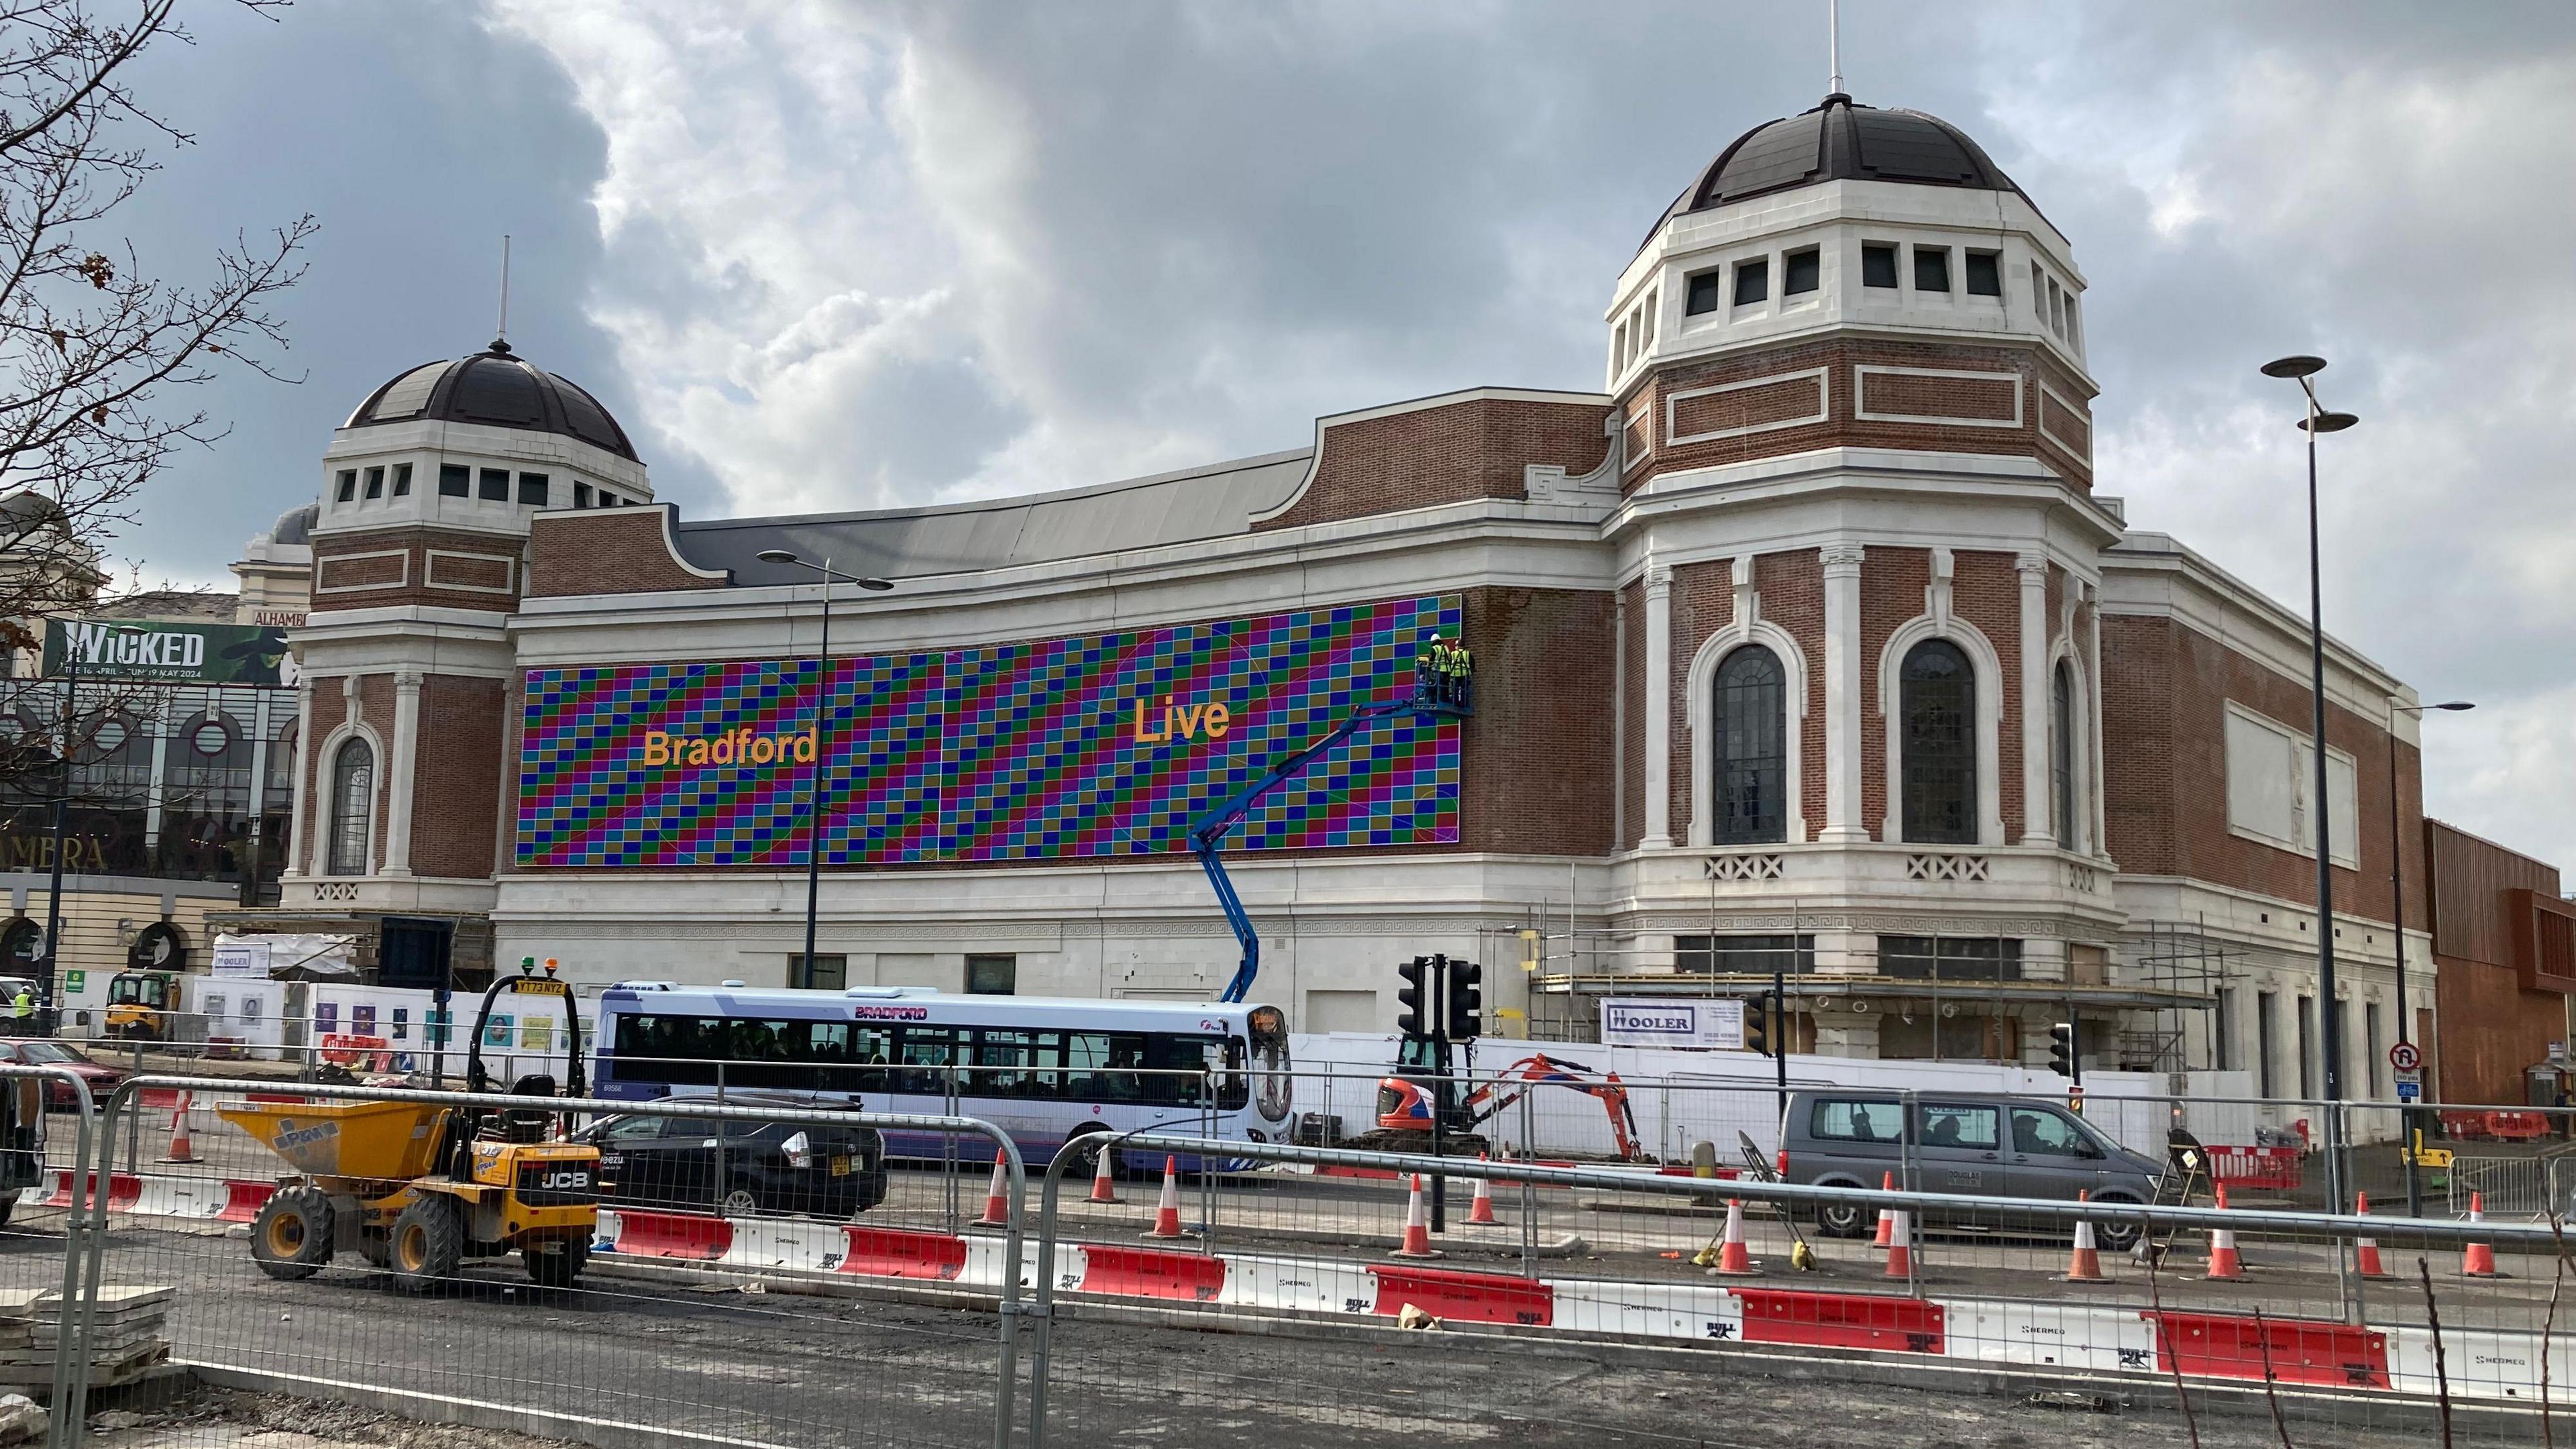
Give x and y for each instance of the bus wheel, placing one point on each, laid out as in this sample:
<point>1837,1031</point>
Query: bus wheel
<point>1080,1145</point>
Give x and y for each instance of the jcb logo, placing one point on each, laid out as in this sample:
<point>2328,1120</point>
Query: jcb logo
<point>572,1181</point>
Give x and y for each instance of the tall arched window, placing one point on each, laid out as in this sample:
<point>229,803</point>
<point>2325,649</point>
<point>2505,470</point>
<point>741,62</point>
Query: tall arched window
<point>1751,752</point>
<point>1940,712</point>
<point>2061,753</point>
<point>353,794</point>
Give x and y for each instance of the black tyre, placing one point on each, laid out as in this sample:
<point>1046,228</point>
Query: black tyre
<point>1843,1219</point>
<point>8,1205</point>
<point>428,1242</point>
<point>2117,1235</point>
<point>291,1237</point>
<point>556,1265</point>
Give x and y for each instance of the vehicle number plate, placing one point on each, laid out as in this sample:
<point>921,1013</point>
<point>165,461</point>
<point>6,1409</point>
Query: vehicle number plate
<point>840,1167</point>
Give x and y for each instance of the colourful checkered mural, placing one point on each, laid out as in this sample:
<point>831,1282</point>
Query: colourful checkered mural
<point>1024,751</point>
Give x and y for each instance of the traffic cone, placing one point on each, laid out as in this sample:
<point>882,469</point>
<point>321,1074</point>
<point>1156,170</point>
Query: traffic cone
<point>1480,1211</point>
<point>997,1198</point>
<point>2223,1262</point>
<point>1734,1260</point>
<point>2085,1264</point>
<point>2480,1261</point>
<point>1900,1244</point>
<point>1167,1213</point>
<point>2366,1250</point>
<point>1102,1190</point>
<point>1886,1183</point>
<point>1417,1227</point>
<point>181,1148</point>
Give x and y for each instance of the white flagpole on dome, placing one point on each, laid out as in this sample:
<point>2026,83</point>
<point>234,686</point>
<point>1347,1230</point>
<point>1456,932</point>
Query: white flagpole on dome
<point>1834,44</point>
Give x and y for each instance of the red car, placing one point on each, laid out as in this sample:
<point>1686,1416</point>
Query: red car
<point>101,1077</point>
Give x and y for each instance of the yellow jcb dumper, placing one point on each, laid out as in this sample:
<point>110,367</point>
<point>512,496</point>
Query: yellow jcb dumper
<point>420,1188</point>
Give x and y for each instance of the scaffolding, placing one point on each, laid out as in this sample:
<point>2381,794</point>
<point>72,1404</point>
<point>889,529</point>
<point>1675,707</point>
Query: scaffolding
<point>2186,962</point>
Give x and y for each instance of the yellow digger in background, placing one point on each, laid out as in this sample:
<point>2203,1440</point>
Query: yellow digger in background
<point>420,1188</point>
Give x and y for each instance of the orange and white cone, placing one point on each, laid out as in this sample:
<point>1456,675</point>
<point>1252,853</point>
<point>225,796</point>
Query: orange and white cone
<point>1102,1188</point>
<point>1734,1260</point>
<point>2480,1260</point>
<point>1900,1244</point>
<point>181,1148</point>
<point>1167,1211</point>
<point>2365,1251</point>
<point>1480,1211</point>
<point>2084,1265</point>
<point>1417,1227</point>
<point>2223,1262</point>
<point>1886,1220</point>
<point>997,1198</point>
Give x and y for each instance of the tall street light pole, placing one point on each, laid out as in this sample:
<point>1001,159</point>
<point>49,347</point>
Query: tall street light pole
<point>47,970</point>
<point>822,714</point>
<point>2397,907</point>
<point>2319,420</point>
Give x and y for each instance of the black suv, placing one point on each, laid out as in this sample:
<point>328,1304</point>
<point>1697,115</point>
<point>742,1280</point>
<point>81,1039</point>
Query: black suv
<point>811,1169</point>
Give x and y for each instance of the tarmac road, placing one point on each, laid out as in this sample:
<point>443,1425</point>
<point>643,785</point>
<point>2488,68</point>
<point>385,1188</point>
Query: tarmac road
<point>832,1372</point>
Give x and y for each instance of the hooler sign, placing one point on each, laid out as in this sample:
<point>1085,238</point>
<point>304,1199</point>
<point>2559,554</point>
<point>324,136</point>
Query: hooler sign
<point>1085,746</point>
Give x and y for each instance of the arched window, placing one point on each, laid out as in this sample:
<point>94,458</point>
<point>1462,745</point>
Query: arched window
<point>353,794</point>
<point>1940,750</point>
<point>1750,749</point>
<point>2061,753</point>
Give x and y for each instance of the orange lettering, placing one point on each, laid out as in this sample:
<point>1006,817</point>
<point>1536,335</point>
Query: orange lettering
<point>764,750</point>
<point>697,752</point>
<point>1190,720</point>
<point>657,747</point>
<point>805,748</point>
<point>1145,736</point>
<point>1218,717</point>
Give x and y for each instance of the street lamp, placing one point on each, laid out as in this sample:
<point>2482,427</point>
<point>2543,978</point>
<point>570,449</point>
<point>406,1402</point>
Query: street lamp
<point>46,969</point>
<point>2300,369</point>
<point>822,709</point>
<point>2397,905</point>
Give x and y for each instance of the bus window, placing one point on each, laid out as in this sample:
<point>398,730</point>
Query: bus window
<point>1002,1062</point>
<point>922,1054</point>
<point>1181,1064</point>
<point>871,1048</point>
<point>1047,1051</point>
<point>1086,1061</point>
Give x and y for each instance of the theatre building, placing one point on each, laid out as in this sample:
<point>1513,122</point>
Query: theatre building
<point>1806,642</point>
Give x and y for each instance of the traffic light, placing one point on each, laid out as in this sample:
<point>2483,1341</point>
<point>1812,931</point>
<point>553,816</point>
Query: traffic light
<point>1414,1020</point>
<point>1466,1001</point>
<point>1757,1027</point>
<point>2061,1048</point>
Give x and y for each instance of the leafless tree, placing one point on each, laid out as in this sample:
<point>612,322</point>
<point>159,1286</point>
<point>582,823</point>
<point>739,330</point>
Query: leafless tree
<point>97,356</point>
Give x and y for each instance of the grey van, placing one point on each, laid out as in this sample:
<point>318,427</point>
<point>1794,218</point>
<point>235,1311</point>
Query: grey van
<point>1963,1142</point>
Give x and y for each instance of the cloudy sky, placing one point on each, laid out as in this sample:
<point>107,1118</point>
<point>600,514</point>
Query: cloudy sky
<point>840,255</point>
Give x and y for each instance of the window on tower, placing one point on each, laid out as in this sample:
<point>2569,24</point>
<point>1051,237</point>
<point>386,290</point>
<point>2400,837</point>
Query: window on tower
<point>455,480</point>
<point>348,485</point>
<point>1752,281</point>
<point>1878,264</point>
<point>1931,269</point>
<point>402,480</point>
<point>1707,293</point>
<point>1985,274</point>
<point>1939,736</point>
<point>532,489</point>
<point>494,486</point>
<point>1801,272</point>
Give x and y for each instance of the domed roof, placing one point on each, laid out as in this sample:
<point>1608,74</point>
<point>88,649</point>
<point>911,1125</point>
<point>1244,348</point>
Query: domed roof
<point>295,525</point>
<point>1842,141</point>
<point>496,389</point>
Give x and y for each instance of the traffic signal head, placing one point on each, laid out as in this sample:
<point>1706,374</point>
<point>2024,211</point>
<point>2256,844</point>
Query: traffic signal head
<point>1466,1001</point>
<point>2061,1048</point>
<point>1414,1020</point>
<point>1757,1026</point>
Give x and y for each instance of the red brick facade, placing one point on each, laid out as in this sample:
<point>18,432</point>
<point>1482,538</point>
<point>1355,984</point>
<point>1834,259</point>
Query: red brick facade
<point>456,784</point>
<point>1703,602</point>
<point>1632,693</point>
<point>607,551</point>
<point>445,568</point>
<point>1677,402</point>
<point>1792,586</point>
<point>1449,453</point>
<point>2165,691</point>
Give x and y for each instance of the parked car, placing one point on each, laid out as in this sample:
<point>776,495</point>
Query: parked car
<point>813,1169</point>
<point>1970,1143</point>
<point>101,1077</point>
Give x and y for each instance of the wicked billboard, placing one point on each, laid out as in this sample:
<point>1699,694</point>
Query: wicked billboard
<point>169,653</point>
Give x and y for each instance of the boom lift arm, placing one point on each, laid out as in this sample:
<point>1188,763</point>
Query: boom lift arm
<point>1208,832</point>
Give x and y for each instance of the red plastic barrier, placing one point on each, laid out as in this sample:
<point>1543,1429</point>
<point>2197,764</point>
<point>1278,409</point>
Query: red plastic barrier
<point>672,1235</point>
<point>1466,1297</point>
<point>122,1190</point>
<point>895,1253</point>
<point>2296,1350</point>
<point>243,1200</point>
<point>162,1097</point>
<point>1842,1320</point>
<point>1147,1273</point>
<point>2274,1169</point>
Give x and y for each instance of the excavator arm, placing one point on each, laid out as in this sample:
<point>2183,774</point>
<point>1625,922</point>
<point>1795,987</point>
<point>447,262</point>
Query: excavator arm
<point>1517,1080</point>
